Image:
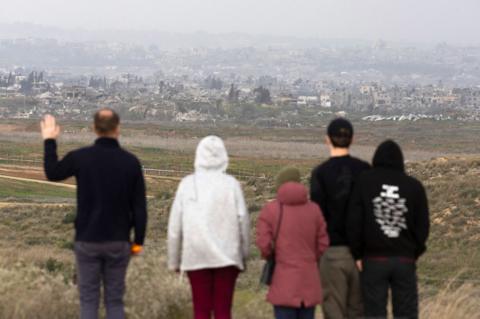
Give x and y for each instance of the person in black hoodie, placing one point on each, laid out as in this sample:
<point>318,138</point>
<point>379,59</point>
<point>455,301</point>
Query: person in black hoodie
<point>387,226</point>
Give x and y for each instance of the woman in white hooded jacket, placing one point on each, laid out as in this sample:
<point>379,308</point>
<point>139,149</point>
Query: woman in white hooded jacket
<point>208,231</point>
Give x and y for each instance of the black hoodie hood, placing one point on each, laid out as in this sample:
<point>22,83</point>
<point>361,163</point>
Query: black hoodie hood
<point>389,155</point>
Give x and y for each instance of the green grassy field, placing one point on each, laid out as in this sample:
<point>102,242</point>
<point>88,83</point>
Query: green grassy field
<point>20,191</point>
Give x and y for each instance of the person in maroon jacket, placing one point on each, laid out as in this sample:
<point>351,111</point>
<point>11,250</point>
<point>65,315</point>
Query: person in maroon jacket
<point>296,289</point>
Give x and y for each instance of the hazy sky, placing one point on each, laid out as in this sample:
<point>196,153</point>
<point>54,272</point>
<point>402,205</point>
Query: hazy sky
<point>397,20</point>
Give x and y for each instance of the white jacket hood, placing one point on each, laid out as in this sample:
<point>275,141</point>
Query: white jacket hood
<point>211,155</point>
<point>209,224</point>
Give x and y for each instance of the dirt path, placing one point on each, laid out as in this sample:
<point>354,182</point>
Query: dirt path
<point>36,173</point>
<point>38,181</point>
<point>23,204</point>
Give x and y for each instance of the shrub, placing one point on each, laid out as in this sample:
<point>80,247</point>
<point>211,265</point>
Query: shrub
<point>54,266</point>
<point>69,218</point>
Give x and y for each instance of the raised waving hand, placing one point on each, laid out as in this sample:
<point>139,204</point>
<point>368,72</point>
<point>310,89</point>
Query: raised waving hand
<point>49,127</point>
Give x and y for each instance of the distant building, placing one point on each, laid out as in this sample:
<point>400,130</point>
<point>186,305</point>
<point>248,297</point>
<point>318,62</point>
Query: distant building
<point>325,100</point>
<point>367,89</point>
<point>74,92</point>
<point>382,99</point>
<point>309,100</point>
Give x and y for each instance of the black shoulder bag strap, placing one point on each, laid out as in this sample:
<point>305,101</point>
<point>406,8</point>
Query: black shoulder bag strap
<point>277,231</point>
<point>269,267</point>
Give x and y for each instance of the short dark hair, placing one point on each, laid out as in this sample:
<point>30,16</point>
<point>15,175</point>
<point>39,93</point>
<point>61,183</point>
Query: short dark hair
<point>340,132</point>
<point>106,121</point>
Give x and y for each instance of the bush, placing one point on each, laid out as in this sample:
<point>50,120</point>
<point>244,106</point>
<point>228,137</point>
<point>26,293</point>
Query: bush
<point>69,218</point>
<point>54,266</point>
<point>164,195</point>
<point>67,244</point>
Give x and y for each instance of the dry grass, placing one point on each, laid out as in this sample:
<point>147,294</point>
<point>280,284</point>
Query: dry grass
<point>155,293</point>
<point>452,302</point>
<point>28,292</point>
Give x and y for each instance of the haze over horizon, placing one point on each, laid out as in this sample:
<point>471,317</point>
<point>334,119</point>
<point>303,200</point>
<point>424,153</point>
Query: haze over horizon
<point>410,21</point>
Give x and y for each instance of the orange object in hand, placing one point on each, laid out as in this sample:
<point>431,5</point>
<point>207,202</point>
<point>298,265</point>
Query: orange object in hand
<point>136,249</point>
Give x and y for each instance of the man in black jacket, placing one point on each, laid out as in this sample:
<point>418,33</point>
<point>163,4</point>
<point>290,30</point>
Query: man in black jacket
<point>331,185</point>
<point>388,226</point>
<point>111,201</point>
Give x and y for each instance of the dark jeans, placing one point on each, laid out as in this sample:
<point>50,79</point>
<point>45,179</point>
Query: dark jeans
<point>105,262</point>
<point>397,274</point>
<point>294,313</point>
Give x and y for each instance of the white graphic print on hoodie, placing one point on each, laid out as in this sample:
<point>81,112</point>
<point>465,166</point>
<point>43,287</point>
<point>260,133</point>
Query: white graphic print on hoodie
<point>390,210</point>
<point>209,224</point>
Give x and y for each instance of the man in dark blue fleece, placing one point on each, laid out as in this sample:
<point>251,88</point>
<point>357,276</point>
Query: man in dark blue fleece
<point>111,201</point>
<point>387,228</point>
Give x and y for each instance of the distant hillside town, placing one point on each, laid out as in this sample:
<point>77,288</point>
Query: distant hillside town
<point>273,86</point>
